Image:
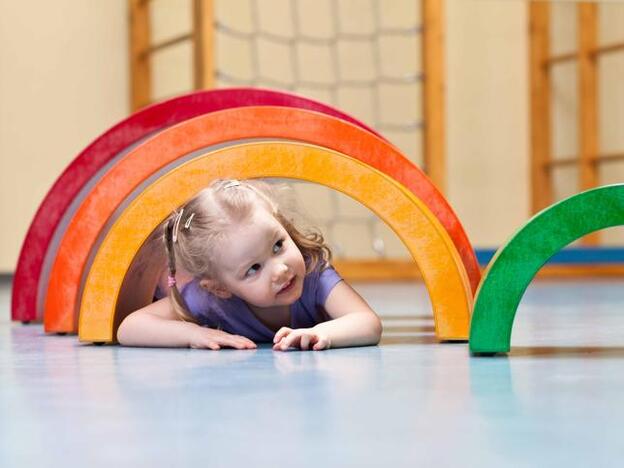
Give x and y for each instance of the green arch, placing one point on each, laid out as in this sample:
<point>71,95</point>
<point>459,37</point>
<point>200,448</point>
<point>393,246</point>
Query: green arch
<point>517,262</point>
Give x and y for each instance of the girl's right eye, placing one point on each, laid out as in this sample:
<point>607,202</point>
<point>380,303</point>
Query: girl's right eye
<point>253,269</point>
<point>277,247</point>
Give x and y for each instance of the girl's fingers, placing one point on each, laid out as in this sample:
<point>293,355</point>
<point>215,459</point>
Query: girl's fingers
<point>322,343</point>
<point>240,342</point>
<point>281,333</point>
<point>244,342</point>
<point>216,341</point>
<point>290,340</point>
<point>304,338</point>
<point>230,341</point>
<point>206,345</point>
<point>248,341</point>
<point>295,339</point>
<point>305,342</point>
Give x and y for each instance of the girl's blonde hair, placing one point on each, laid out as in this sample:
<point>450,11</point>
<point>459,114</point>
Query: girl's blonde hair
<point>193,233</point>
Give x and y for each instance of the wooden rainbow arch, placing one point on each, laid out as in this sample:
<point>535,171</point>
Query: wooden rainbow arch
<point>517,262</point>
<point>172,145</point>
<point>412,221</point>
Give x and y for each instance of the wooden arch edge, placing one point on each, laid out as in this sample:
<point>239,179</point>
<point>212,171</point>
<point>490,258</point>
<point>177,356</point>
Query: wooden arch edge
<point>104,149</point>
<point>223,127</point>
<point>517,262</point>
<point>406,215</point>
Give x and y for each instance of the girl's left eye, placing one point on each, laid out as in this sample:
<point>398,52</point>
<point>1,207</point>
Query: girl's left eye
<point>253,270</point>
<point>277,247</point>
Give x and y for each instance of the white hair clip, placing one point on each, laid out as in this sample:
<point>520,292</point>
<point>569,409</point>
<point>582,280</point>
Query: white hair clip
<point>176,226</point>
<point>187,225</point>
<point>230,184</point>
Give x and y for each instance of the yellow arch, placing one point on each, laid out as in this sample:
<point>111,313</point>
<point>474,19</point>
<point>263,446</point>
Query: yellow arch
<point>423,235</point>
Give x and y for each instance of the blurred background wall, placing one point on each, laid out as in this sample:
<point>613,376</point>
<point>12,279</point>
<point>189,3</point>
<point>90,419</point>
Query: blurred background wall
<point>64,79</point>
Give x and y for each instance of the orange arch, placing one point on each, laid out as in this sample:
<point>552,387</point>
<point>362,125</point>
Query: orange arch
<point>411,220</point>
<point>165,148</point>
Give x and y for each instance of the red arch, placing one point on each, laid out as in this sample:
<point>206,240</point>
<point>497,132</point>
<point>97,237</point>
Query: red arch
<point>105,148</point>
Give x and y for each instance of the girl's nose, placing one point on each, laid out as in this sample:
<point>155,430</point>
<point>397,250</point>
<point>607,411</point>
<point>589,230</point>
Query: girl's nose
<point>280,272</point>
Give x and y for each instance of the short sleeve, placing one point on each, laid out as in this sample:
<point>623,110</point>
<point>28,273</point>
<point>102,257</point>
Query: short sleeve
<point>200,302</point>
<point>328,278</point>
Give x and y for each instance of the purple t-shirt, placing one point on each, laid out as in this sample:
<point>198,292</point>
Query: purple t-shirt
<point>234,316</point>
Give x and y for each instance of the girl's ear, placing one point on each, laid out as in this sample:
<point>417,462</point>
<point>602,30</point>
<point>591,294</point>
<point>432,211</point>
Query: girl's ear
<point>215,288</point>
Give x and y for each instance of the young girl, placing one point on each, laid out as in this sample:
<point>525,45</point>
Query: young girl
<point>250,276</point>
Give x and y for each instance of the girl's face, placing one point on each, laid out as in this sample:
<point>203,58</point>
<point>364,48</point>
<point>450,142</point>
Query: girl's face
<point>260,263</point>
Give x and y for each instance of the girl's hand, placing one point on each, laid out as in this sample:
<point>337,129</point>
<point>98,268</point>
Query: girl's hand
<point>208,338</point>
<point>302,338</point>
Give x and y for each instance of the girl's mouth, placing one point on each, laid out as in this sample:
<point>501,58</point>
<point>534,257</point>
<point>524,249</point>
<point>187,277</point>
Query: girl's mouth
<point>288,286</point>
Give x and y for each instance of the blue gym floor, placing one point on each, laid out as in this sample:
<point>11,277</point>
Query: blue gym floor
<point>556,400</point>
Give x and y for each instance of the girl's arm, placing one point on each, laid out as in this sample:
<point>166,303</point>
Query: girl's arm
<point>157,325</point>
<point>353,323</point>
